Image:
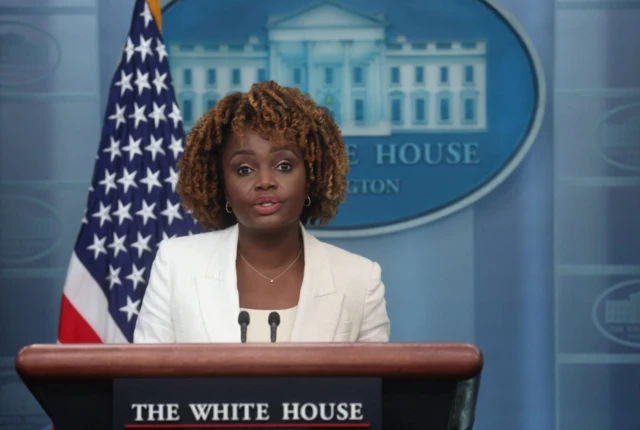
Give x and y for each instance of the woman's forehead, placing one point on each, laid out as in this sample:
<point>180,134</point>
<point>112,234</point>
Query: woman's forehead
<point>251,137</point>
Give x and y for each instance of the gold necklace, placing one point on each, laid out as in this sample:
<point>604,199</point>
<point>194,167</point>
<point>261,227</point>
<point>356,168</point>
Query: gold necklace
<point>265,277</point>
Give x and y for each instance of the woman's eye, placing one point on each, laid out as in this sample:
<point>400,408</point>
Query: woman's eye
<point>284,167</point>
<point>244,170</point>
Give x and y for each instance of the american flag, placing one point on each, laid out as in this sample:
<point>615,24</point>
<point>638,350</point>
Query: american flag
<point>132,204</point>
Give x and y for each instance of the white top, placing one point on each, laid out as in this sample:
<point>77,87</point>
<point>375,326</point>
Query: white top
<point>259,329</point>
<point>192,294</point>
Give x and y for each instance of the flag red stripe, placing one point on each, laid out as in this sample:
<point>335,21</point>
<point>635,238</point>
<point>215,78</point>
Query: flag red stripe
<point>73,328</point>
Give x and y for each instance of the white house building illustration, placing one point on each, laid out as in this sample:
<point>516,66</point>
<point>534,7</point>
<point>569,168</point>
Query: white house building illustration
<point>341,57</point>
<point>625,311</point>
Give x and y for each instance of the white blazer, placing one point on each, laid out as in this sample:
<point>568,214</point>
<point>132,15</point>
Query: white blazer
<point>192,294</point>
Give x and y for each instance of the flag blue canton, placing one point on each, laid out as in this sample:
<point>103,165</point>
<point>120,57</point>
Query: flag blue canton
<point>132,204</point>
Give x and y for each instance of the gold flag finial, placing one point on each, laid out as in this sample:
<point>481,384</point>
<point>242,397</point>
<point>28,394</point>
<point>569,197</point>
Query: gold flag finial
<point>156,11</point>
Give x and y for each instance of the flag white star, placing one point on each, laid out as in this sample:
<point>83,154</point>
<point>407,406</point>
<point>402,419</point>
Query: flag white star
<point>138,115</point>
<point>142,81</point>
<point>136,276</point>
<point>133,148</point>
<point>161,49</point>
<point>151,180</point>
<point>158,81</point>
<point>118,244</point>
<point>146,212</point>
<point>176,146</point>
<point>164,237</point>
<point>103,214</point>
<point>98,246</point>
<point>175,114</point>
<point>124,83</point>
<point>144,48</point>
<point>171,212</point>
<point>123,212</point>
<point>128,180</point>
<point>131,308</point>
<point>114,276</point>
<point>109,181</point>
<point>146,14</point>
<point>154,147</point>
<point>172,179</point>
<point>142,244</point>
<point>114,149</point>
<point>119,115</point>
<point>158,114</point>
<point>129,49</point>
<point>84,217</point>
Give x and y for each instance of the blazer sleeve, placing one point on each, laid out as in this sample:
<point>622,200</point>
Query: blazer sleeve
<point>375,325</point>
<point>154,324</point>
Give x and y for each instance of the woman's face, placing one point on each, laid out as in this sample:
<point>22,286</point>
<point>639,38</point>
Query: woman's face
<point>265,183</point>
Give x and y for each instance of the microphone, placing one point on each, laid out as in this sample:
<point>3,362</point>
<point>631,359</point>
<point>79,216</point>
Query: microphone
<point>274,322</point>
<point>243,320</point>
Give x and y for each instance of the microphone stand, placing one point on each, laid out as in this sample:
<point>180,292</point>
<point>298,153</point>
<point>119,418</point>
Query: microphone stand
<point>243,320</point>
<point>274,322</point>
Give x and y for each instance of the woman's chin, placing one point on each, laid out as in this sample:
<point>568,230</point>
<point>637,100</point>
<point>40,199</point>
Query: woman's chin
<point>269,222</point>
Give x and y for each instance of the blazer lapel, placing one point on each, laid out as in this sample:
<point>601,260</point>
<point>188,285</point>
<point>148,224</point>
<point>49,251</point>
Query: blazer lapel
<point>219,302</point>
<point>320,305</point>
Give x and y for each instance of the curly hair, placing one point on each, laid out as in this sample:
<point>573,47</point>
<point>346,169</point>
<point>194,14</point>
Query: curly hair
<point>281,114</point>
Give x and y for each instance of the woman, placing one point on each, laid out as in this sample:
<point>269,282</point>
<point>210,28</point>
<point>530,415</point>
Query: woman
<point>256,168</point>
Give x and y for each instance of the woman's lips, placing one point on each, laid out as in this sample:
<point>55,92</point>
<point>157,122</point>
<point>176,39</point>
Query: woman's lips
<point>266,205</point>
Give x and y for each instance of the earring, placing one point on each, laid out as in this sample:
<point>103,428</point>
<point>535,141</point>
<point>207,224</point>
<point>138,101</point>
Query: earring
<point>228,208</point>
<point>309,201</point>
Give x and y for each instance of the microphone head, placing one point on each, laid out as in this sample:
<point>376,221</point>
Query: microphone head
<point>243,317</point>
<point>274,318</point>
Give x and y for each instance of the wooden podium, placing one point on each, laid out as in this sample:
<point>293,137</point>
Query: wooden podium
<point>422,385</point>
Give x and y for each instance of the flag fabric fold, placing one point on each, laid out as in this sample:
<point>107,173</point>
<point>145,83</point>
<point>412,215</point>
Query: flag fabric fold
<point>132,204</point>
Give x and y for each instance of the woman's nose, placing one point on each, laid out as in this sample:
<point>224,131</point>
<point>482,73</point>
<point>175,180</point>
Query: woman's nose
<point>265,180</point>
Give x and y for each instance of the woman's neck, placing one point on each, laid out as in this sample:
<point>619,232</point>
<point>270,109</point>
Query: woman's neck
<point>270,250</point>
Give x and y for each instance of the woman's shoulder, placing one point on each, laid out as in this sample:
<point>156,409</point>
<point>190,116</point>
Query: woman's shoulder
<point>348,264</point>
<point>194,249</point>
<point>193,243</point>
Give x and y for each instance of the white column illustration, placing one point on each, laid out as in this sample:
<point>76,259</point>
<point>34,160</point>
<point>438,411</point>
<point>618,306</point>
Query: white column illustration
<point>375,88</point>
<point>347,117</point>
<point>273,65</point>
<point>383,87</point>
<point>311,87</point>
<point>199,77</point>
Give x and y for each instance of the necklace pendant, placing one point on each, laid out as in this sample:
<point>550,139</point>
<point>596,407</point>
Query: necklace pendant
<point>271,280</point>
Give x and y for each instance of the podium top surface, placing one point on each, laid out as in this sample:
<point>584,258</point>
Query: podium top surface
<point>455,361</point>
